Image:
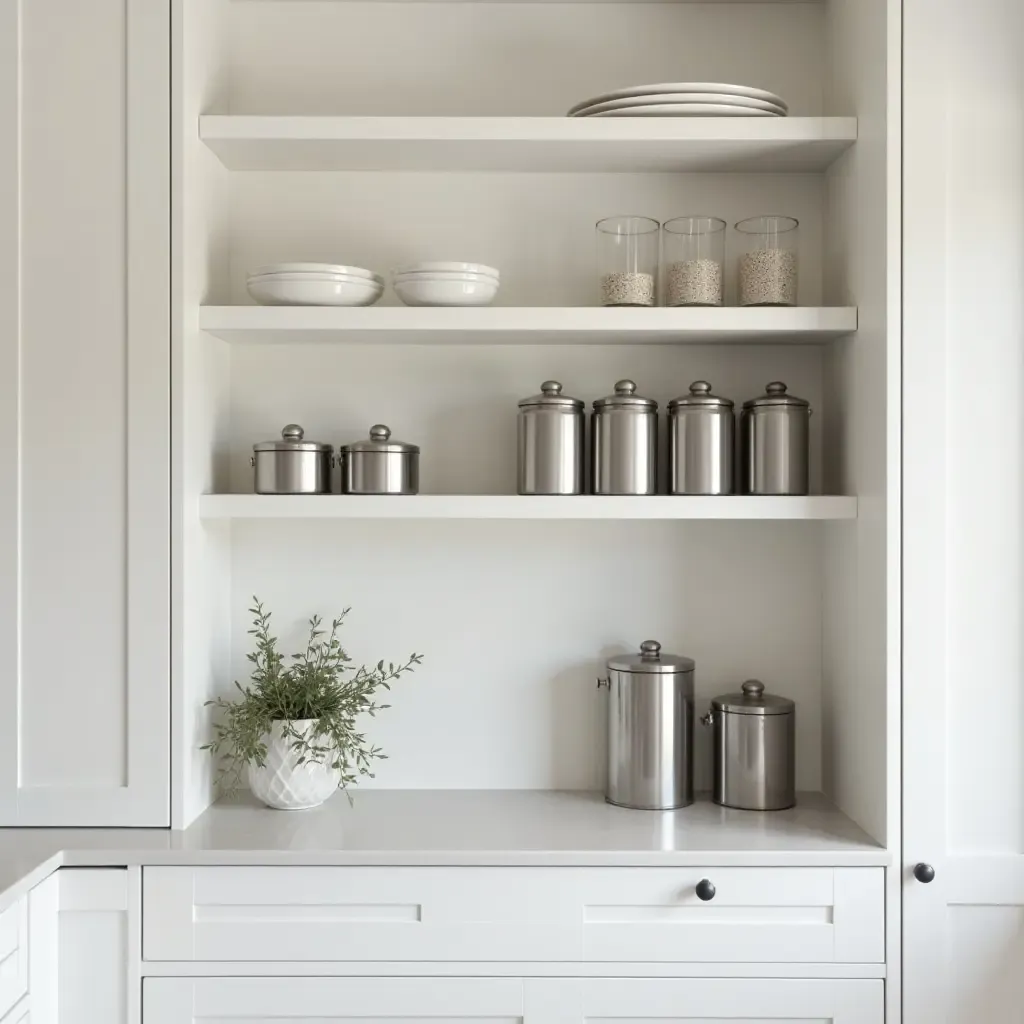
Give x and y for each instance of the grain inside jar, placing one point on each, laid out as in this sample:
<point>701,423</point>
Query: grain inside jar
<point>627,289</point>
<point>694,283</point>
<point>768,270</point>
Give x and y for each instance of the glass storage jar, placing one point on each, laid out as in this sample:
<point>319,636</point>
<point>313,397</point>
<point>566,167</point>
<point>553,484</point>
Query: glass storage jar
<point>693,253</point>
<point>768,263</point>
<point>627,254</point>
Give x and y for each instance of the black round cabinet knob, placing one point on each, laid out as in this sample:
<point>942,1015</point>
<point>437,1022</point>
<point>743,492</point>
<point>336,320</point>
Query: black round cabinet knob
<point>924,872</point>
<point>705,890</point>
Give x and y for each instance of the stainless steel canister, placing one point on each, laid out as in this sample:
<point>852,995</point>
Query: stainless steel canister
<point>624,443</point>
<point>775,436</point>
<point>650,729</point>
<point>754,749</point>
<point>550,442</point>
<point>292,465</point>
<point>379,465</point>
<point>700,442</point>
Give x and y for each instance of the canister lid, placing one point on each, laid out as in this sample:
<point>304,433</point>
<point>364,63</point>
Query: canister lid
<point>379,441</point>
<point>625,394</point>
<point>291,441</point>
<point>650,659</point>
<point>752,700</point>
<point>551,394</point>
<point>700,395</point>
<point>775,394</point>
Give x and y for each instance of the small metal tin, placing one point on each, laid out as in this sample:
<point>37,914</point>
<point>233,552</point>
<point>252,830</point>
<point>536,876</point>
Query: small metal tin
<point>754,749</point>
<point>550,442</point>
<point>291,464</point>
<point>379,465</point>
<point>775,442</point>
<point>624,443</point>
<point>650,729</point>
<point>700,442</point>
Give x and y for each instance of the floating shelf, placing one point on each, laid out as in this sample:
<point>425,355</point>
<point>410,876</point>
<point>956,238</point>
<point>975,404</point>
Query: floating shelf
<point>512,506</point>
<point>258,143</point>
<point>509,325</point>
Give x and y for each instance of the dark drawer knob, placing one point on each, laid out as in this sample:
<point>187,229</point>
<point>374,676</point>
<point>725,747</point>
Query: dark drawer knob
<point>705,890</point>
<point>924,872</point>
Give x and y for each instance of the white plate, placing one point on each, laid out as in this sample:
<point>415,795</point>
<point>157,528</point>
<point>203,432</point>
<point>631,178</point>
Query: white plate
<point>448,268</point>
<point>682,97</point>
<point>664,87</point>
<point>311,268</point>
<point>379,281</point>
<point>686,110</point>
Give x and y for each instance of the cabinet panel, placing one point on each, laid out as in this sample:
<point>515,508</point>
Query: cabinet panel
<point>84,406</point>
<point>791,915</point>
<point>13,954</point>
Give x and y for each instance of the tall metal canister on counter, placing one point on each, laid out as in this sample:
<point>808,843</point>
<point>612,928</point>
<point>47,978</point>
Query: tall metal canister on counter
<point>550,432</point>
<point>700,442</point>
<point>624,443</point>
<point>650,729</point>
<point>775,442</point>
<point>754,749</point>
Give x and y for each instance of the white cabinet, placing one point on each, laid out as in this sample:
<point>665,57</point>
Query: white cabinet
<point>13,955</point>
<point>504,1001</point>
<point>602,915</point>
<point>84,412</point>
<point>963,934</point>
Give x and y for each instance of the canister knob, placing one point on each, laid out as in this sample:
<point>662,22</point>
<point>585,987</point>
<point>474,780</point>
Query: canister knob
<point>650,650</point>
<point>292,432</point>
<point>625,387</point>
<point>380,433</point>
<point>551,387</point>
<point>753,688</point>
<point>776,388</point>
<point>700,387</point>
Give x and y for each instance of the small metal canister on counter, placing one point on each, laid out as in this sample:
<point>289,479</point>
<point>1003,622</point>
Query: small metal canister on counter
<point>775,442</point>
<point>379,465</point>
<point>624,443</point>
<point>700,442</point>
<point>291,464</point>
<point>550,434</point>
<point>650,729</point>
<point>754,749</point>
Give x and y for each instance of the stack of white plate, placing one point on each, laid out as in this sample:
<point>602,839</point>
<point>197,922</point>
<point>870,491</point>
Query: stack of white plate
<point>445,284</point>
<point>314,284</point>
<point>683,99</point>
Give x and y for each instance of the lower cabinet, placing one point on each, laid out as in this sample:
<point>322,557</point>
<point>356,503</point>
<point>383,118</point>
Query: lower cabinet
<point>510,1000</point>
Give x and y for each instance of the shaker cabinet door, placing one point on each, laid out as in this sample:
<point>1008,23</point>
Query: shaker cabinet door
<point>84,412</point>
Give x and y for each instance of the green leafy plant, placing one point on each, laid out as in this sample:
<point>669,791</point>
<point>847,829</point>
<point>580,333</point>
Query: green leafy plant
<point>319,683</point>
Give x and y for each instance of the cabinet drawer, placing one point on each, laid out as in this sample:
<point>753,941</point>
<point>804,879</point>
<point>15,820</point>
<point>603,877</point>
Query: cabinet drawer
<point>789,915</point>
<point>13,954</point>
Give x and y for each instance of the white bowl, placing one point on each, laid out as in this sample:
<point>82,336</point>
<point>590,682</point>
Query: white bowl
<point>379,281</point>
<point>459,268</point>
<point>464,291</point>
<point>297,291</point>
<point>441,276</point>
<point>313,268</point>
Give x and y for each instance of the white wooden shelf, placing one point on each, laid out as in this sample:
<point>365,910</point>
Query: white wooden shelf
<point>497,325</point>
<point>253,143</point>
<point>513,506</point>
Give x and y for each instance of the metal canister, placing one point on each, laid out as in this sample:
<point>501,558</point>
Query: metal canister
<point>624,443</point>
<point>550,442</point>
<point>291,464</point>
<point>650,729</point>
<point>700,442</point>
<point>754,749</point>
<point>775,442</point>
<point>379,465</point>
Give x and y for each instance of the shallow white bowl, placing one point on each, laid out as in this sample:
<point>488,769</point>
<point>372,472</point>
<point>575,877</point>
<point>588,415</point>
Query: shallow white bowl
<point>442,276</point>
<point>379,281</point>
<point>426,291</point>
<point>277,291</point>
<point>449,268</point>
<point>313,268</point>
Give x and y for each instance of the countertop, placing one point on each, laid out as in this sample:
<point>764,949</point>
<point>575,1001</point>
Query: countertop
<point>455,827</point>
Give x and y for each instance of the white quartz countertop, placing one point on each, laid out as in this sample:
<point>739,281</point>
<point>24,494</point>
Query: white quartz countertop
<point>455,827</point>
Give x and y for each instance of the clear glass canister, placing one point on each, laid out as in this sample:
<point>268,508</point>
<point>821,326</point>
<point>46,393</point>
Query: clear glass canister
<point>768,261</point>
<point>627,254</point>
<point>693,252</point>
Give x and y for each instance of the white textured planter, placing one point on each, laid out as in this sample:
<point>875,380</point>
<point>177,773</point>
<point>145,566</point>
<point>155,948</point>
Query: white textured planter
<point>288,786</point>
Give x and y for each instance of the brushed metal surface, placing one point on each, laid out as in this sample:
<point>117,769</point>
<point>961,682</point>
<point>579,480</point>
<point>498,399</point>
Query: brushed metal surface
<point>292,472</point>
<point>700,451</point>
<point>370,472</point>
<point>754,760</point>
<point>550,441</point>
<point>775,443</point>
<point>624,451</point>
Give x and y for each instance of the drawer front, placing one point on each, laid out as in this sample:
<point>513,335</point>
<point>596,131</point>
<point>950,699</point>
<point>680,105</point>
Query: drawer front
<point>13,955</point>
<point>782,915</point>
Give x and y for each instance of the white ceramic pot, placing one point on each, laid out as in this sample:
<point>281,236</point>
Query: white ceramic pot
<point>285,785</point>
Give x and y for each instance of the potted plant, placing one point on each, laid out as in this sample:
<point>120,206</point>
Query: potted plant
<point>293,730</point>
